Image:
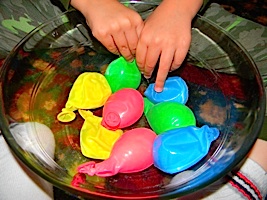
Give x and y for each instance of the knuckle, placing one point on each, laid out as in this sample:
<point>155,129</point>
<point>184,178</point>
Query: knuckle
<point>128,57</point>
<point>100,33</point>
<point>149,66</point>
<point>126,23</point>
<point>140,64</point>
<point>176,65</point>
<point>124,51</point>
<point>112,48</point>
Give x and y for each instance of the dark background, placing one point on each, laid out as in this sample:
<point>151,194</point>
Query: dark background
<point>255,10</point>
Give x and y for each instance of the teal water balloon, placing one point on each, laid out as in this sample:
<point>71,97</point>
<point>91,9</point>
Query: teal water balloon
<point>122,74</point>
<point>175,89</point>
<point>178,149</point>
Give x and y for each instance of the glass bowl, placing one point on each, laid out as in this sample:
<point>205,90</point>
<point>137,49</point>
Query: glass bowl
<point>225,91</point>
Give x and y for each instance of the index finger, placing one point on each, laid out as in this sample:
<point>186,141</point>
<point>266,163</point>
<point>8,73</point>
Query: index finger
<point>165,63</point>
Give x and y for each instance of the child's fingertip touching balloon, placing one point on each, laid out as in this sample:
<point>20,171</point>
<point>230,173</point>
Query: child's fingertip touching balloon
<point>158,88</point>
<point>159,85</point>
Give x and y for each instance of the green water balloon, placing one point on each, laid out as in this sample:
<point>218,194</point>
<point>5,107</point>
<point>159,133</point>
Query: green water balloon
<point>123,74</point>
<point>166,116</point>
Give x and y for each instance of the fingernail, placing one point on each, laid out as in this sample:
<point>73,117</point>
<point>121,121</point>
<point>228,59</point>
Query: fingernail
<point>147,77</point>
<point>157,89</point>
<point>131,60</point>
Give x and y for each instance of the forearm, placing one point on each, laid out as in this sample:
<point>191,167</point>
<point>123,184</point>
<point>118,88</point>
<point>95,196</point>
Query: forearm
<point>80,5</point>
<point>187,8</point>
<point>85,6</point>
<point>191,5</point>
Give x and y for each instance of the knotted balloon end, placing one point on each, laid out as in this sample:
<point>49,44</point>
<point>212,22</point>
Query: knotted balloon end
<point>66,115</point>
<point>87,168</point>
<point>111,120</point>
<point>212,133</point>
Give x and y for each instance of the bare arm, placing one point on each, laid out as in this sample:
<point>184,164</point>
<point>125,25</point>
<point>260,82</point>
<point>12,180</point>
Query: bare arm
<point>113,24</point>
<point>166,34</point>
<point>258,153</point>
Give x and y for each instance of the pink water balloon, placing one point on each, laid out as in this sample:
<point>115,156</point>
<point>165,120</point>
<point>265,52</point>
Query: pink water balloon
<point>132,152</point>
<point>122,109</point>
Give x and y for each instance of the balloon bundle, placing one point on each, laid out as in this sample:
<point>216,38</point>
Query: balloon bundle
<point>173,143</point>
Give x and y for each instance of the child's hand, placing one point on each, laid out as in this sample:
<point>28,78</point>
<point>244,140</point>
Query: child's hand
<point>166,34</point>
<point>113,24</point>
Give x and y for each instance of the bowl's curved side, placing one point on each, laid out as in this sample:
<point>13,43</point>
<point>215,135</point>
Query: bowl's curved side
<point>39,72</point>
<point>214,49</point>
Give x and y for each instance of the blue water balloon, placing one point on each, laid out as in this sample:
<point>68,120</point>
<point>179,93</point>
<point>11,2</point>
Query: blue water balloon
<point>178,149</point>
<point>175,89</point>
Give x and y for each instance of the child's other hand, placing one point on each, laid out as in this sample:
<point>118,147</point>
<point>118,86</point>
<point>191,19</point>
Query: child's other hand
<point>114,25</point>
<point>166,35</point>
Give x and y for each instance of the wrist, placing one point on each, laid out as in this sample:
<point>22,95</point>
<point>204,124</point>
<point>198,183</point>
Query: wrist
<point>187,8</point>
<point>88,6</point>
